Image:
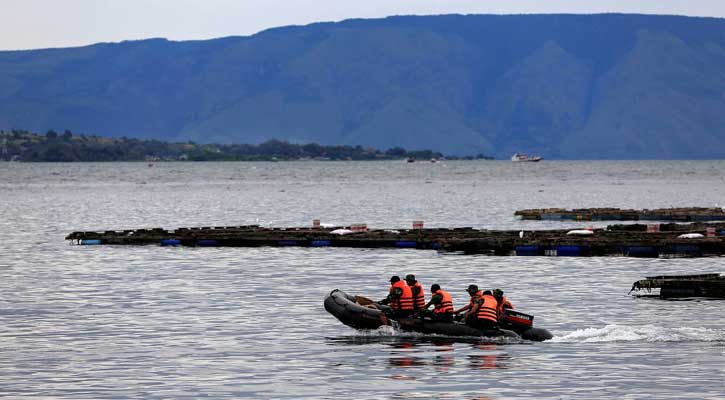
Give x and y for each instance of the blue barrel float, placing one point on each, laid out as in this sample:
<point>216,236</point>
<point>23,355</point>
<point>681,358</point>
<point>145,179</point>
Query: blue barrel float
<point>551,217</point>
<point>170,242</point>
<point>527,250</point>
<point>320,243</point>
<point>687,250</point>
<point>406,243</point>
<point>89,242</point>
<point>642,251</point>
<point>568,251</point>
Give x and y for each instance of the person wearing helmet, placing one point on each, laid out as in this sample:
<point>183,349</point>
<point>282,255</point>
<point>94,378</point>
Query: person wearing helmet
<point>443,305</point>
<point>503,302</point>
<point>474,293</point>
<point>418,294</point>
<point>399,297</point>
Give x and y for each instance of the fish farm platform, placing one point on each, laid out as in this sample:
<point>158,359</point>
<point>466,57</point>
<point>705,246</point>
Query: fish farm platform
<point>669,240</point>
<point>674,286</point>
<point>615,214</point>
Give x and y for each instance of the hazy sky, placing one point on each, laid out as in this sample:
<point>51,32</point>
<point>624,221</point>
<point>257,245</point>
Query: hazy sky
<point>26,24</point>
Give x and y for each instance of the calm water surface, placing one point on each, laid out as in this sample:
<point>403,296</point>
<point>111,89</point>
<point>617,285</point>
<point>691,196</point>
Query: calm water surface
<point>97,322</point>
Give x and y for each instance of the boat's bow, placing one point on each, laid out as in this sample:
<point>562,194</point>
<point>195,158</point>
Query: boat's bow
<point>346,309</point>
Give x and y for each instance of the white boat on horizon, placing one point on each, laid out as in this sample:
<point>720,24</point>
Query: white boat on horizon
<point>521,157</point>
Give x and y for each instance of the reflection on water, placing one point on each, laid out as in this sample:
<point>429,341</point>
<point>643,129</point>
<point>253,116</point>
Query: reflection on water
<point>489,358</point>
<point>436,353</point>
<point>402,355</point>
<point>442,343</point>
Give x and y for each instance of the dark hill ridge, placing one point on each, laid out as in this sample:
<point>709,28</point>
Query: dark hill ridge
<point>564,86</point>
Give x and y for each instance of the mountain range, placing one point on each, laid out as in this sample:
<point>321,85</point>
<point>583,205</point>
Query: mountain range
<point>604,86</point>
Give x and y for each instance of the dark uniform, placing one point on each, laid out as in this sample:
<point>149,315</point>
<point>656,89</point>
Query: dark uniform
<point>418,293</point>
<point>443,303</point>
<point>400,298</point>
<point>484,315</point>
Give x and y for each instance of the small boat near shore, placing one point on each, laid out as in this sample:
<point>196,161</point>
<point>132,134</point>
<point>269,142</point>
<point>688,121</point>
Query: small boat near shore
<point>521,157</point>
<point>354,312</point>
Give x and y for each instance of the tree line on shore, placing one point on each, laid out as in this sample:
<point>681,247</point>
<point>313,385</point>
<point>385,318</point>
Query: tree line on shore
<point>21,145</point>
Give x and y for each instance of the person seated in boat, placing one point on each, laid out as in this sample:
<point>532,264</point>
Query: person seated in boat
<point>483,314</point>
<point>503,302</point>
<point>474,293</point>
<point>400,298</point>
<point>418,294</point>
<point>443,305</point>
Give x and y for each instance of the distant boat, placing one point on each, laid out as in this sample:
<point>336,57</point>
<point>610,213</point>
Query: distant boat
<point>410,159</point>
<point>521,157</point>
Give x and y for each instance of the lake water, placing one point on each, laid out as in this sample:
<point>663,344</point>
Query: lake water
<point>120,322</point>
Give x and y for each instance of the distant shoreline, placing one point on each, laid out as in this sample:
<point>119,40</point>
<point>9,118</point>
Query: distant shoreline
<point>25,146</point>
<point>433,161</point>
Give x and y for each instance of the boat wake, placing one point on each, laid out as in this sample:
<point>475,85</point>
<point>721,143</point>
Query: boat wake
<point>644,333</point>
<point>387,332</point>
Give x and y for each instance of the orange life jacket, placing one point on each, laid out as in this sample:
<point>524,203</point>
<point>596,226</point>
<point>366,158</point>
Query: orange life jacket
<point>405,301</point>
<point>504,303</point>
<point>446,304</point>
<point>487,310</point>
<point>418,296</point>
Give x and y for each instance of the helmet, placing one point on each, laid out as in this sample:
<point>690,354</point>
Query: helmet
<point>410,277</point>
<point>497,293</point>
<point>394,279</point>
<point>472,289</point>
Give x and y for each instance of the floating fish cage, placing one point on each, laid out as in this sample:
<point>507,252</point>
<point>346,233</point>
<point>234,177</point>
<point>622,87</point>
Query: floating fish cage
<point>668,240</point>
<point>680,286</point>
<point>683,214</point>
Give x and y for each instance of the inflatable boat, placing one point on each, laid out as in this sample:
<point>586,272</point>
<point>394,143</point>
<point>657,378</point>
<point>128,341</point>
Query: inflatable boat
<point>359,313</point>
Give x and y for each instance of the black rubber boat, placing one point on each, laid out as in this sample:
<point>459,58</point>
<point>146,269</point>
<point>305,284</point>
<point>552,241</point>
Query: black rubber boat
<point>350,312</point>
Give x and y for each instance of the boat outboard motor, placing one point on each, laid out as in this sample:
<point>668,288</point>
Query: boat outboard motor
<point>523,324</point>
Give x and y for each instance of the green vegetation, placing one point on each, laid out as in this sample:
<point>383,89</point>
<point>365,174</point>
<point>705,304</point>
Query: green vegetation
<point>20,145</point>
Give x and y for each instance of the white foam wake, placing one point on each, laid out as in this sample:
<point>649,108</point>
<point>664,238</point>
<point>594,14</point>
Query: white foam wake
<point>644,333</point>
<point>385,331</point>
